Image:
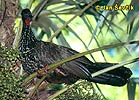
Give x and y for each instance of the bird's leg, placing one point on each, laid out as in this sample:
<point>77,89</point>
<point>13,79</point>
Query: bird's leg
<point>42,73</point>
<point>58,71</point>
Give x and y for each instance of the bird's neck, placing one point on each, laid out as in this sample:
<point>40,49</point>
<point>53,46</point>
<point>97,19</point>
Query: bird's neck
<point>27,40</point>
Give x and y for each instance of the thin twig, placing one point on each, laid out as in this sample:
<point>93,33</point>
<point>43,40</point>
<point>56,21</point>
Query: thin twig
<point>62,91</point>
<point>40,8</point>
<point>78,14</point>
<point>37,85</point>
<point>114,67</point>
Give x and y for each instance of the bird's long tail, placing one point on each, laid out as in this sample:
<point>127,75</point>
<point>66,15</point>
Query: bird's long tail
<point>116,77</point>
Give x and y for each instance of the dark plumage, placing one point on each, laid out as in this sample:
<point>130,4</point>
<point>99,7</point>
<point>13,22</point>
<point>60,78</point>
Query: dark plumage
<point>37,54</point>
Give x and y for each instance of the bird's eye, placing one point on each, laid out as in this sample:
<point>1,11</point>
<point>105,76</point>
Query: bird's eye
<point>26,15</point>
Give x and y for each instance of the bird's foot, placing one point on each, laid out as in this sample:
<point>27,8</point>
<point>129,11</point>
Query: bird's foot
<point>43,72</point>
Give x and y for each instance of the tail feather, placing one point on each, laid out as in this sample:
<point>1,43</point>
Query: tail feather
<point>114,81</point>
<point>116,77</point>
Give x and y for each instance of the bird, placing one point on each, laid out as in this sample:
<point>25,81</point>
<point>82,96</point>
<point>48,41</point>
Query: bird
<point>37,54</point>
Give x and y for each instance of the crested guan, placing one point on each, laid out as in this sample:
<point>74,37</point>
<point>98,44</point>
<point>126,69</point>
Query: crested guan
<point>36,54</point>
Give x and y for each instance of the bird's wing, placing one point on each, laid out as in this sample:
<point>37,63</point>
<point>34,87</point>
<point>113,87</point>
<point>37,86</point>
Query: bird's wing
<point>52,53</point>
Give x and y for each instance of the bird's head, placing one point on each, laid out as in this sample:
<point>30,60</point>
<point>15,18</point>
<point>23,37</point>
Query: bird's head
<point>26,16</point>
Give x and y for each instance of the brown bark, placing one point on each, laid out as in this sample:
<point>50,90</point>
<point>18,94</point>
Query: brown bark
<point>8,12</point>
